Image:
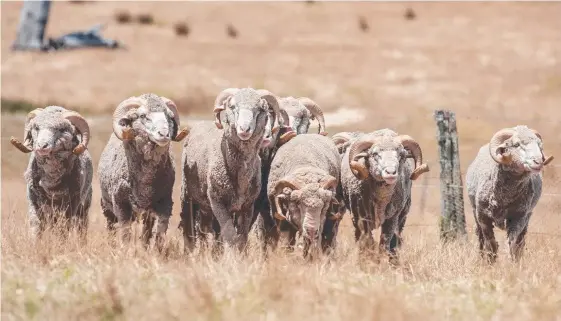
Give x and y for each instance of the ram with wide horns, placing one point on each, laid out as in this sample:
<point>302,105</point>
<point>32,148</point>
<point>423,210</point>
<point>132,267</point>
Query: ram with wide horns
<point>136,169</point>
<point>504,185</point>
<point>376,178</point>
<point>59,172</point>
<point>222,168</point>
<point>301,111</point>
<point>302,186</point>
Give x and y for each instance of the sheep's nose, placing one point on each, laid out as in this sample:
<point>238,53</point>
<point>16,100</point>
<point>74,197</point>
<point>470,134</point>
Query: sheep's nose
<point>390,170</point>
<point>244,128</point>
<point>163,133</point>
<point>45,145</point>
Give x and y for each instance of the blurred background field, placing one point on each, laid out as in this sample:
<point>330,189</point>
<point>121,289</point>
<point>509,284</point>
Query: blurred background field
<point>369,65</point>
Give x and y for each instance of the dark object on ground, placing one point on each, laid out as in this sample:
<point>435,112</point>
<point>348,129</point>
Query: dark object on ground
<point>81,39</point>
<point>410,14</point>
<point>363,24</point>
<point>33,21</point>
<point>123,17</point>
<point>145,19</point>
<point>181,29</point>
<point>231,31</point>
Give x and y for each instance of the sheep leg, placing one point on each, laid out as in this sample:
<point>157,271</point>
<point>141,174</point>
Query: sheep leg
<point>148,221</point>
<point>516,232</point>
<point>187,224</point>
<point>487,244</point>
<point>388,233</point>
<point>36,221</point>
<point>162,223</point>
<point>397,239</point>
<point>123,211</point>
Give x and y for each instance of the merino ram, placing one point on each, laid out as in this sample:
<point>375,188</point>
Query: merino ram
<point>504,184</point>
<point>376,180</point>
<point>222,168</point>
<point>301,111</point>
<point>59,172</point>
<point>303,179</point>
<point>136,169</point>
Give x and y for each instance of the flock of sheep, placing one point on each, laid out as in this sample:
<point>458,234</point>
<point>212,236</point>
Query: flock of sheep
<point>256,166</point>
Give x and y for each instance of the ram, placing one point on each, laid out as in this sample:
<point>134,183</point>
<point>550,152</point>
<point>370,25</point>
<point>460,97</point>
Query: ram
<point>59,172</point>
<point>303,179</point>
<point>136,170</point>
<point>376,179</point>
<point>301,111</point>
<point>504,184</point>
<point>222,169</point>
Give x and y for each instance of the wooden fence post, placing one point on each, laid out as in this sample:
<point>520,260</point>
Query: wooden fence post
<point>452,221</point>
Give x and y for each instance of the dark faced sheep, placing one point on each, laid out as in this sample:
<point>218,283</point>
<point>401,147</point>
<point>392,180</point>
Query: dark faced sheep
<point>504,184</point>
<point>59,173</point>
<point>136,170</point>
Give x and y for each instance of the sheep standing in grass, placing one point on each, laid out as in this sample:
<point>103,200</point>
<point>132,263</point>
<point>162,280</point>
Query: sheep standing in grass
<point>222,168</point>
<point>136,169</point>
<point>303,179</point>
<point>504,184</point>
<point>59,173</point>
<point>301,111</point>
<point>376,180</point>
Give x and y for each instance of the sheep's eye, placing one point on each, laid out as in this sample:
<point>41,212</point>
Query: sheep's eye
<point>516,145</point>
<point>143,116</point>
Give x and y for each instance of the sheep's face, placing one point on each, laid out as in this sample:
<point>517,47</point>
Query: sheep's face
<point>153,122</point>
<point>385,160</point>
<point>522,152</point>
<point>51,133</point>
<point>307,208</point>
<point>298,115</point>
<point>246,114</point>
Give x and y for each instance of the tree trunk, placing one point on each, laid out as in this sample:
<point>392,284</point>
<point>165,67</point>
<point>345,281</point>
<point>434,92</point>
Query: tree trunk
<point>33,21</point>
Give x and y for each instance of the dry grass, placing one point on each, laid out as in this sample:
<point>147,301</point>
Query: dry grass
<point>494,64</point>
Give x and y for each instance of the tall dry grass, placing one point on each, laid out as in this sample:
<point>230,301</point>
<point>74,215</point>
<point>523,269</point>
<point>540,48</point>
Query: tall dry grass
<point>62,280</point>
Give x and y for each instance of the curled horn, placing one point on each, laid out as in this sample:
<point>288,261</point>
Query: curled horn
<point>413,147</point>
<point>341,138</point>
<point>498,138</point>
<point>219,102</point>
<point>547,159</point>
<point>356,151</point>
<point>328,182</point>
<point>273,102</point>
<point>316,111</point>
<point>278,195</point>
<point>173,107</point>
<point>123,132</point>
<point>27,145</point>
<point>82,126</point>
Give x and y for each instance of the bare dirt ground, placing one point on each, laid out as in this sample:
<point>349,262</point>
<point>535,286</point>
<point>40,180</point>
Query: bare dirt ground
<point>494,64</point>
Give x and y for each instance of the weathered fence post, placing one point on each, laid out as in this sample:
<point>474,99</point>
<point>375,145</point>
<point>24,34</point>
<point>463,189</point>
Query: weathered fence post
<point>453,221</point>
<point>32,24</point>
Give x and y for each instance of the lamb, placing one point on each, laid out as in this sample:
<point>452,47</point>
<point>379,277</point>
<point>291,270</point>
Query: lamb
<point>59,172</point>
<point>504,184</point>
<point>301,111</point>
<point>136,170</point>
<point>221,166</point>
<point>376,180</point>
<point>304,177</point>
